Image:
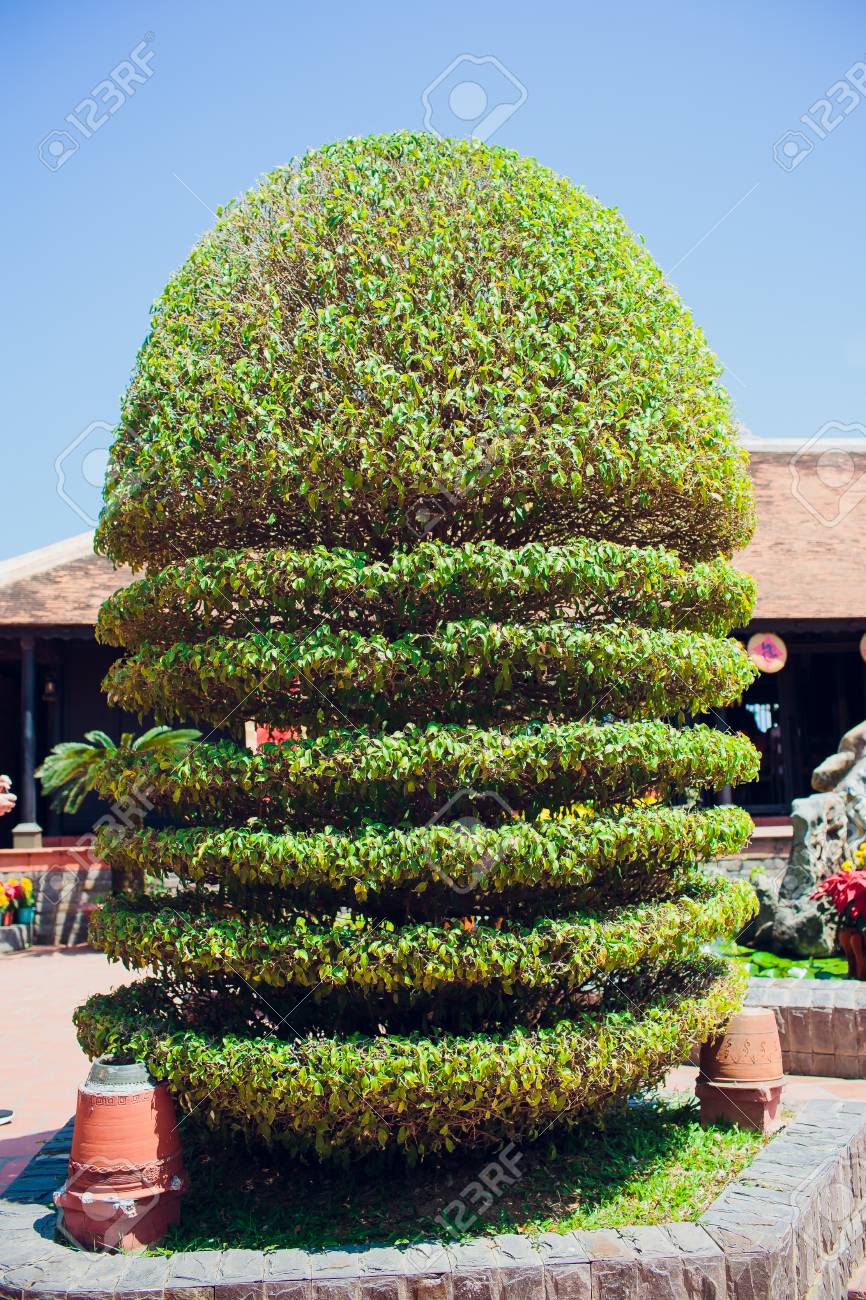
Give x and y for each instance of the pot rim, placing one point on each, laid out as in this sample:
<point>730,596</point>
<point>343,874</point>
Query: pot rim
<point>742,1085</point>
<point>105,1076</point>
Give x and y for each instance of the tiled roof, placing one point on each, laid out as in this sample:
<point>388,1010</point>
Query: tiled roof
<point>809,550</point>
<point>62,584</point>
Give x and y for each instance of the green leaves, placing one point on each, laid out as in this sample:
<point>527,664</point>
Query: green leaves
<point>472,669</point>
<point>377,957</point>
<point>73,768</point>
<point>434,867</point>
<point>233,592</point>
<point>409,775</point>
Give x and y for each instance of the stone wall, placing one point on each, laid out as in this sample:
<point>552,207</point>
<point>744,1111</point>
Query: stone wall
<point>822,1024</point>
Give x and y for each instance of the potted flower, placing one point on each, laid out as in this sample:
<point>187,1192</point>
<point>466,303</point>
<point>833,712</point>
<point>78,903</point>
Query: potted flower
<point>846,891</point>
<point>20,894</point>
<point>6,912</point>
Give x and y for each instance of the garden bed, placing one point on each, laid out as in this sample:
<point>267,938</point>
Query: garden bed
<point>790,1225</point>
<point>769,965</point>
<point>649,1163</point>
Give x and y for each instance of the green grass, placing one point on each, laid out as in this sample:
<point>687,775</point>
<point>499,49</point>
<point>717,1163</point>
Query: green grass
<point>766,965</point>
<point>649,1162</point>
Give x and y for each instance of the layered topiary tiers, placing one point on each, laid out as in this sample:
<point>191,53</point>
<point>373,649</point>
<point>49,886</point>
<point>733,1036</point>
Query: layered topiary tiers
<point>429,466</point>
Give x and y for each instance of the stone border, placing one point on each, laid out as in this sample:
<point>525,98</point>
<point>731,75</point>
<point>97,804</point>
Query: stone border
<point>822,1024</point>
<point>792,1225</point>
<point>14,938</point>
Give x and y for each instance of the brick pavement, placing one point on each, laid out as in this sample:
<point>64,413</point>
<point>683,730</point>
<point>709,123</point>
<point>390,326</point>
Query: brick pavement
<point>41,1064</point>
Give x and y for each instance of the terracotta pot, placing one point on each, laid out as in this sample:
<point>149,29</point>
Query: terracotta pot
<point>126,1175</point>
<point>853,944</point>
<point>747,1054</point>
<point>7,918</point>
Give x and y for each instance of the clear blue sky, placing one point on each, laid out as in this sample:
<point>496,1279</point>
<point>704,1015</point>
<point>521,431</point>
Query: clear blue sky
<point>668,111</point>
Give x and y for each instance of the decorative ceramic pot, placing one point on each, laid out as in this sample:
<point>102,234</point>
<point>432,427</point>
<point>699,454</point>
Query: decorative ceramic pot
<point>24,915</point>
<point>747,1053</point>
<point>740,1079</point>
<point>853,944</point>
<point>126,1174</point>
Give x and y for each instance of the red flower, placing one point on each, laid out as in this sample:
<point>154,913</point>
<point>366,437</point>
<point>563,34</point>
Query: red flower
<point>846,890</point>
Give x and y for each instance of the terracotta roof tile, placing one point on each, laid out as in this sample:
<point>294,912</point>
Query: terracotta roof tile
<point>808,554</point>
<point>62,584</point>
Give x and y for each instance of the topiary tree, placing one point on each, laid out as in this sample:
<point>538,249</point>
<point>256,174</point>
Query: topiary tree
<point>427,463</point>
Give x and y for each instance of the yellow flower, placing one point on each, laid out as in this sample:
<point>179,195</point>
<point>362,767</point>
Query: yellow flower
<point>578,812</point>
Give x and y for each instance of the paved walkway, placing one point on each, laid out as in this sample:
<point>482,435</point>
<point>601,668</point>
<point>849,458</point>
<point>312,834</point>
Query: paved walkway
<point>41,1064</point>
<point>799,1088</point>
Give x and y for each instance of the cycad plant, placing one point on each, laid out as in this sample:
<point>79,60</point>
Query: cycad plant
<point>426,461</point>
<point>69,772</point>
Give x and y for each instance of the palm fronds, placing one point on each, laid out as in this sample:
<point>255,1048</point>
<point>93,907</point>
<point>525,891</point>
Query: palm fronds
<point>69,772</point>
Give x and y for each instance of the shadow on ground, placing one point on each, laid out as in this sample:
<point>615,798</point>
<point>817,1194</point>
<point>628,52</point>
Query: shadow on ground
<point>646,1163</point>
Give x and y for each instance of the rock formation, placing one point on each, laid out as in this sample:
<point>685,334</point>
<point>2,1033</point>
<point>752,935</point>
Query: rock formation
<point>827,827</point>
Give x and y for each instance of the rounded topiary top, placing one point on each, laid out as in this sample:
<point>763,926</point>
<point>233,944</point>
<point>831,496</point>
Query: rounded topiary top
<point>404,337</point>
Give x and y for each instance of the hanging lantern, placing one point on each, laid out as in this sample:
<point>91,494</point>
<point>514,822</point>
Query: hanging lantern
<point>767,652</point>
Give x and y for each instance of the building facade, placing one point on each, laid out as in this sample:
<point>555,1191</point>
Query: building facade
<point>51,669</point>
<point>808,557</point>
